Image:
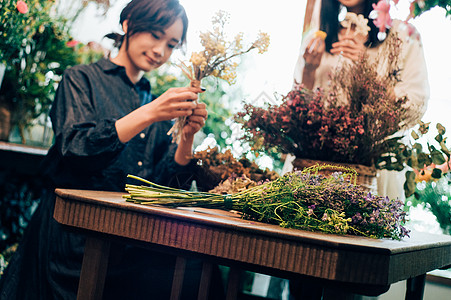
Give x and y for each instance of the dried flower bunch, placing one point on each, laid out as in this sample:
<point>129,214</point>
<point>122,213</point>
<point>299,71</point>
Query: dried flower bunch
<point>234,184</point>
<point>302,200</point>
<point>217,167</point>
<point>217,58</point>
<point>315,125</point>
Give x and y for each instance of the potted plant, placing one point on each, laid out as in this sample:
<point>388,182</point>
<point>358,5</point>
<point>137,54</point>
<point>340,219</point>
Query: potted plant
<point>428,180</point>
<point>18,25</point>
<point>428,158</point>
<point>35,48</point>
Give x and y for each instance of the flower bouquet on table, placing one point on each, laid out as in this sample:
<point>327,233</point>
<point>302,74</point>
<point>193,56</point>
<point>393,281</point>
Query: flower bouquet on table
<point>216,168</point>
<point>216,59</point>
<point>303,200</point>
<point>351,124</point>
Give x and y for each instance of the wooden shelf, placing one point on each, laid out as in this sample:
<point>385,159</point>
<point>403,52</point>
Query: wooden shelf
<point>20,148</point>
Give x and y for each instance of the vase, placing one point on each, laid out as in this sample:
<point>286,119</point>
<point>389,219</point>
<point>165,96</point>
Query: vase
<point>366,175</point>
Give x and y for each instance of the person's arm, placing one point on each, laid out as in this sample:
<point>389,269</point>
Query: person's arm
<point>174,103</point>
<point>195,122</point>
<point>414,80</point>
<point>83,138</point>
<point>312,51</point>
<point>350,45</point>
<point>308,76</point>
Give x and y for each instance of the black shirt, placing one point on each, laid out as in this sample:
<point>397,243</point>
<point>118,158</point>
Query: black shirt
<point>87,153</point>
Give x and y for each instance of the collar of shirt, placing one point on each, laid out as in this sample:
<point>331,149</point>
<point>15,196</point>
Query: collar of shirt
<point>109,67</point>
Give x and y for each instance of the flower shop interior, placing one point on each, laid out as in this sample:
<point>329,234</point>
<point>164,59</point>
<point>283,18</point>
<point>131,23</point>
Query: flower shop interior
<point>257,133</point>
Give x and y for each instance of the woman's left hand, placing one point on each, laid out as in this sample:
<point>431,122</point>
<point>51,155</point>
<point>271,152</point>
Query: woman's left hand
<point>196,120</point>
<point>351,46</point>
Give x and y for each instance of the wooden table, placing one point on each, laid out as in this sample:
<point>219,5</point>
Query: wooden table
<point>367,266</point>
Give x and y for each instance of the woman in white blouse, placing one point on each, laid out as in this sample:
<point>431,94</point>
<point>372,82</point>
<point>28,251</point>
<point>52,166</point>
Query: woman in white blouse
<point>318,58</point>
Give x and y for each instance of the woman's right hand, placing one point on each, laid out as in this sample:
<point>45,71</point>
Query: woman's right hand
<point>174,103</point>
<point>313,53</point>
<point>350,45</point>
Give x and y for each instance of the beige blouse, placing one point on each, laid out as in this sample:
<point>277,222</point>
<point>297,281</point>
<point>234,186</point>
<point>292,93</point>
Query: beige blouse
<point>414,84</point>
<point>414,78</point>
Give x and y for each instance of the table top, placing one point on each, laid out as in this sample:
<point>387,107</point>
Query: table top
<point>224,235</point>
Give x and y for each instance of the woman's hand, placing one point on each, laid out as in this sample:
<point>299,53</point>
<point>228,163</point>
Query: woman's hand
<point>194,123</point>
<point>174,103</point>
<point>312,59</point>
<point>313,53</point>
<point>349,45</point>
<point>196,120</point>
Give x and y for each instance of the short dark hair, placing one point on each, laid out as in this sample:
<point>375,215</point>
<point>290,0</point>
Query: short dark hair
<point>150,16</point>
<point>329,22</point>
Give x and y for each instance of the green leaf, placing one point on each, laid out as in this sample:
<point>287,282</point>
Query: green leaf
<point>407,152</point>
<point>424,160</point>
<point>418,147</point>
<point>444,148</point>
<point>440,128</point>
<point>439,138</point>
<point>412,162</point>
<point>436,173</point>
<point>424,127</point>
<point>409,188</point>
<point>410,175</point>
<point>437,157</point>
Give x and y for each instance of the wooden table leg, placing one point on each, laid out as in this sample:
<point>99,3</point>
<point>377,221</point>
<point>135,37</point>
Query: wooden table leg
<point>205,280</point>
<point>233,283</point>
<point>94,268</point>
<point>177,281</point>
<point>415,287</point>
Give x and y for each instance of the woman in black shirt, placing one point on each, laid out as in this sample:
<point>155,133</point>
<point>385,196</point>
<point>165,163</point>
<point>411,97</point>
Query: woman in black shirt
<point>107,124</point>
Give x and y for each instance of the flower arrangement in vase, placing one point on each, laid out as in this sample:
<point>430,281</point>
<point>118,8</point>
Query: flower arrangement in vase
<point>316,125</point>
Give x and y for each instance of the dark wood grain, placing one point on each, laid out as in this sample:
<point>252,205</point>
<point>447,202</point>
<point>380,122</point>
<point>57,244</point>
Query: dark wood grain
<point>267,248</point>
